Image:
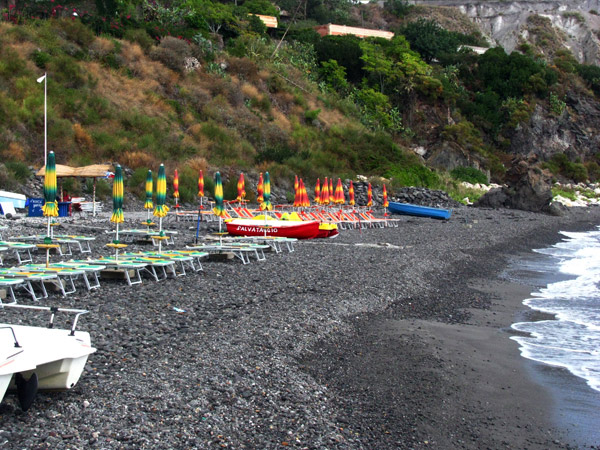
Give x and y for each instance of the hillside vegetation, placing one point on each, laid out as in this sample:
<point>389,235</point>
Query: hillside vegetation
<point>203,85</point>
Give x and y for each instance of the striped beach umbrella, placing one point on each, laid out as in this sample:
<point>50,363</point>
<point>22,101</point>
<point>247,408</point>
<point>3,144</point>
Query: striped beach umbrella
<point>339,193</point>
<point>305,201</point>
<point>149,190</point>
<point>325,192</point>
<point>297,193</point>
<point>219,210</point>
<point>260,189</point>
<point>318,192</point>
<point>117,214</point>
<point>385,197</point>
<point>331,192</point>
<point>176,188</point>
<point>351,201</point>
<point>266,205</point>
<point>161,208</point>
<point>50,207</point>
<point>241,188</point>
<point>201,184</point>
<point>369,196</point>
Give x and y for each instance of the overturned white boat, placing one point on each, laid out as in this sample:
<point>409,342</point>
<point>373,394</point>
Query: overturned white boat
<point>38,358</point>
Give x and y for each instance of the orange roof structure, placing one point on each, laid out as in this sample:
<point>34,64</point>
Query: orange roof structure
<point>269,21</point>
<point>331,29</point>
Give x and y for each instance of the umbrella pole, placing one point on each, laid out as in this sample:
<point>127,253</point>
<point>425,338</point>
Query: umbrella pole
<point>117,241</point>
<point>220,234</point>
<point>159,234</point>
<point>94,199</point>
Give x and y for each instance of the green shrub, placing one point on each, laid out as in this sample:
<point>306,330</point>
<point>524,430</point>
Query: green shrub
<point>139,36</point>
<point>40,58</point>
<point>19,170</point>
<point>413,175</point>
<point>172,53</point>
<point>469,174</point>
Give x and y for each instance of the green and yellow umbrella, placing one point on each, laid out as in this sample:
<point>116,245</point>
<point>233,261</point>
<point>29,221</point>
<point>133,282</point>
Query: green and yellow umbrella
<point>266,204</point>
<point>117,215</point>
<point>149,190</point>
<point>161,209</point>
<point>219,210</point>
<point>50,207</point>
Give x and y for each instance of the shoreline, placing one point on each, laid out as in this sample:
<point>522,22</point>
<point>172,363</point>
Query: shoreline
<point>348,343</point>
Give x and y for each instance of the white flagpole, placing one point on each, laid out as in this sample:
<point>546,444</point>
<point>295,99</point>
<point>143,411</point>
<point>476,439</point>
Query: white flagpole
<point>39,80</point>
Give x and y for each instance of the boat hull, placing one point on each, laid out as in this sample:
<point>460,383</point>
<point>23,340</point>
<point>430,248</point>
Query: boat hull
<point>419,211</point>
<point>56,357</point>
<point>279,228</point>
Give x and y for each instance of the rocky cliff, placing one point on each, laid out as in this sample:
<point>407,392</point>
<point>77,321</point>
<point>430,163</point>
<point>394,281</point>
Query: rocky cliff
<point>571,24</point>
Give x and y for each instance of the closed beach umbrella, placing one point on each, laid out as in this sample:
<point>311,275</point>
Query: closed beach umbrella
<point>50,207</point>
<point>149,190</point>
<point>266,204</point>
<point>117,214</point>
<point>161,208</point>
<point>297,193</point>
<point>339,193</point>
<point>351,201</point>
<point>369,196</point>
<point>318,192</point>
<point>385,198</point>
<point>201,185</point>
<point>260,189</point>
<point>176,188</point>
<point>325,192</point>
<point>241,188</point>
<point>331,192</point>
<point>219,210</point>
<point>304,195</point>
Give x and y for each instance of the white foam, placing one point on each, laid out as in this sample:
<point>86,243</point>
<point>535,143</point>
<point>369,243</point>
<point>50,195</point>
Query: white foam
<point>572,340</point>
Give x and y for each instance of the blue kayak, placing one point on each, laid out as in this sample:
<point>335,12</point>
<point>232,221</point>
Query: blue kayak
<point>420,211</point>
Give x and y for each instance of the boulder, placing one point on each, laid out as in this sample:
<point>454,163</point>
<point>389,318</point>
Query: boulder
<point>527,188</point>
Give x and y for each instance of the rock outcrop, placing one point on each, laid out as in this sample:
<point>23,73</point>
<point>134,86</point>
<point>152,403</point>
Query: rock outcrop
<point>505,23</point>
<point>527,188</point>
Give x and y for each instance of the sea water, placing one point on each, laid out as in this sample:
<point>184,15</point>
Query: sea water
<point>568,274</point>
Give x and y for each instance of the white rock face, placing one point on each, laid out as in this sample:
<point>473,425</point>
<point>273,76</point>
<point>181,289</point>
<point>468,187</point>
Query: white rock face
<point>505,22</point>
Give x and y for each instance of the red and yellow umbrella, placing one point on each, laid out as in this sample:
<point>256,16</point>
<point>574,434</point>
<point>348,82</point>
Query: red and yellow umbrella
<point>351,201</point>
<point>369,196</point>
<point>201,184</point>
<point>318,192</point>
<point>385,198</point>
<point>241,189</point>
<point>331,192</point>
<point>260,189</point>
<point>305,202</point>
<point>339,193</point>
<point>201,187</point>
<point>176,188</point>
<point>325,193</point>
<point>297,193</point>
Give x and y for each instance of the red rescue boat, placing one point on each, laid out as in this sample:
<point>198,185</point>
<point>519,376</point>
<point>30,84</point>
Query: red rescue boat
<point>308,229</point>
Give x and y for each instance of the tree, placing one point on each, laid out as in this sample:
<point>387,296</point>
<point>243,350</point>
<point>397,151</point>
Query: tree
<point>346,50</point>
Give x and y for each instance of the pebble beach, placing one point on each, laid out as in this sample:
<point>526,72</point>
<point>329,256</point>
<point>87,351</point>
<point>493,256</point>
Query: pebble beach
<point>382,338</point>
